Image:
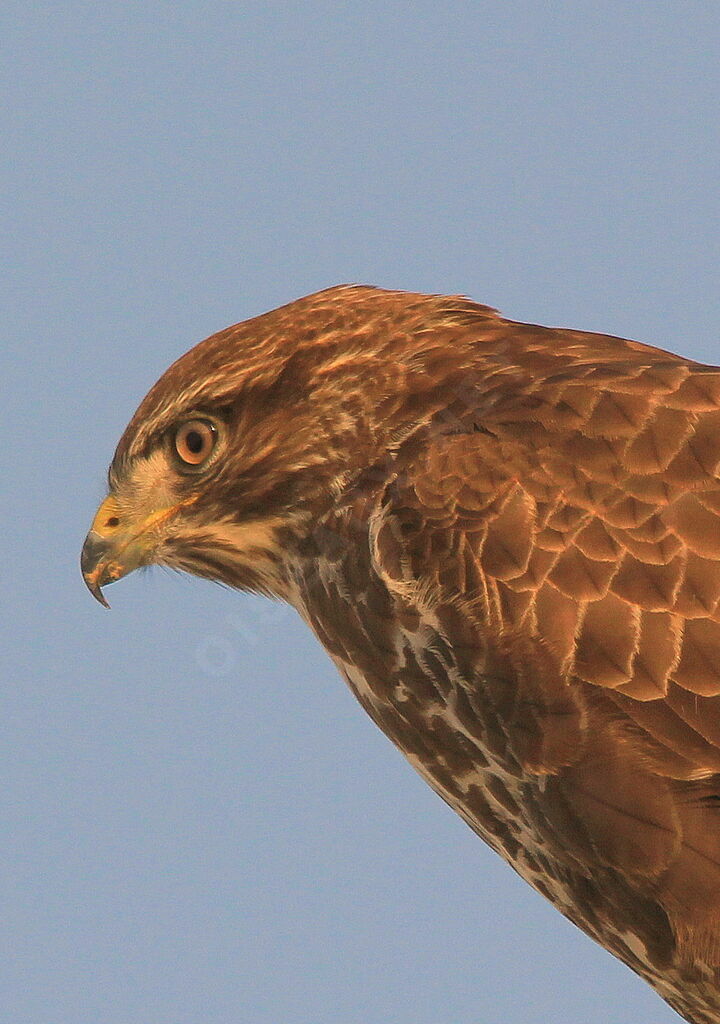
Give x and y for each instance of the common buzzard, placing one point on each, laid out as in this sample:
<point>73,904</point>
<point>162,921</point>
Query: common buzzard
<point>507,537</point>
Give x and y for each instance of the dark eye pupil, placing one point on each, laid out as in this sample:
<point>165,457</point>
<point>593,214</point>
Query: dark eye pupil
<point>194,441</point>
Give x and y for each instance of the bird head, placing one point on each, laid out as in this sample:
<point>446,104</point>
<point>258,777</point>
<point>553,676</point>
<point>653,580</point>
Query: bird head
<point>247,438</point>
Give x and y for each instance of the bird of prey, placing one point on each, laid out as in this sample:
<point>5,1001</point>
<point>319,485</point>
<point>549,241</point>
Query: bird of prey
<point>507,537</point>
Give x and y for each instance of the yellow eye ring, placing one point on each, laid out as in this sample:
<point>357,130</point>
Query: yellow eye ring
<point>194,442</point>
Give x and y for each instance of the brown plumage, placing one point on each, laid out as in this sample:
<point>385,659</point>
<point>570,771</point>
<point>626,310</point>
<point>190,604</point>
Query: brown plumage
<point>508,539</point>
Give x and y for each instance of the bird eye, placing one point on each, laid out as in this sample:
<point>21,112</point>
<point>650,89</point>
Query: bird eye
<point>194,442</point>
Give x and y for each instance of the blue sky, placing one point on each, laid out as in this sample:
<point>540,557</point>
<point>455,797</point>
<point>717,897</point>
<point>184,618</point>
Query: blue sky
<point>199,824</point>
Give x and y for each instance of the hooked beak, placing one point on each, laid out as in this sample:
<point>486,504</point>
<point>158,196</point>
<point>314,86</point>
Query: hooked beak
<point>118,543</point>
<point>111,550</point>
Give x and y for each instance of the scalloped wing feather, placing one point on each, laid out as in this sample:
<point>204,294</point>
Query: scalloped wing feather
<point>578,530</point>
